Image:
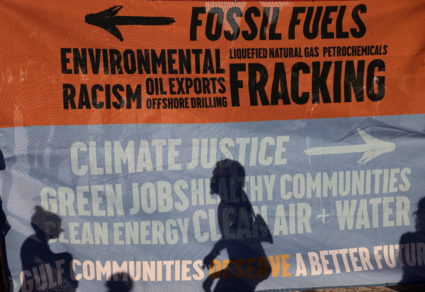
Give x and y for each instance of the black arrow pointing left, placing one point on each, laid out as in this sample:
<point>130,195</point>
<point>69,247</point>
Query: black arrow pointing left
<point>108,20</point>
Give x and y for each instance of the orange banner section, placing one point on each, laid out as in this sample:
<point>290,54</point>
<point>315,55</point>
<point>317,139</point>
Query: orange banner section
<point>95,62</point>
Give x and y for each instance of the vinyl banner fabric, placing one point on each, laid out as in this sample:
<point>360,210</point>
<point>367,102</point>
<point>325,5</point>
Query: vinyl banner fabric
<point>217,146</point>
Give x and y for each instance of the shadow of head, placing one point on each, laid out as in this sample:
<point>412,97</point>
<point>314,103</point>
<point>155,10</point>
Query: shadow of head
<point>2,162</point>
<point>228,177</point>
<point>420,215</point>
<point>46,223</point>
<point>119,282</point>
<point>4,224</point>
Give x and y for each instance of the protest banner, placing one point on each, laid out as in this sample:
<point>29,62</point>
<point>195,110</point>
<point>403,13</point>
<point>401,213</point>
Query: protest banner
<point>122,126</point>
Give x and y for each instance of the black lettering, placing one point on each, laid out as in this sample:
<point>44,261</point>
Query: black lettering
<point>234,34</point>
<point>295,83</point>
<point>272,32</point>
<point>337,81</point>
<point>159,62</point>
<point>311,27</point>
<point>115,60</point>
<point>265,23</point>
<point>129,61</point>
<point>327,19</point>
<point>213,36</point>
<point>208,66</point>
<point>294,21</point>
<point>257,87</point>
<point>280,85</point>
<point>94,89</point>
<point>84,98</point>
<point>134,96</point>
<point>354,81</point>
<point>372,79</point>
<point>218,68</point>
<point>143,62</point>
<point>195,22</point>
<point>171,61</point>
<point>80,61</point>
<point>249,14</point>
<point>221,82</point>
<point>340,33</point>
<point>95,60</point>
<point>197,53</point>
<point>68,96</point>
<point>319,82</point>
<point>105,61</point>
<point>235,82</point>
<point>116,92</point>
<point>361,30</point>
<point>185,61</point>
<point>65,60</point>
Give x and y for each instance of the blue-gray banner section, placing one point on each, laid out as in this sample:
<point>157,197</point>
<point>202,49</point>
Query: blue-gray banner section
<point>340,197</point>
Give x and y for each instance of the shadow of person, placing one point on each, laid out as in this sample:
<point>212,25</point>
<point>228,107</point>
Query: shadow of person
<point>241,233</point>
<point>44,270</point>
<point>119,282</point>
<point>412,253</point>
<point>4,229</point>
<point>5,277</point>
